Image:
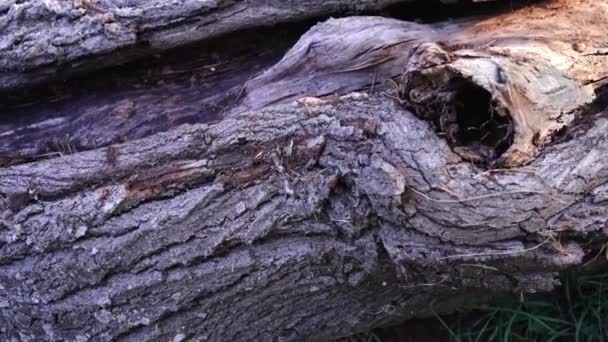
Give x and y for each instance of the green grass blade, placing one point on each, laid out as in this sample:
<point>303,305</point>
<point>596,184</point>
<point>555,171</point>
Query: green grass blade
<point>452,334</point>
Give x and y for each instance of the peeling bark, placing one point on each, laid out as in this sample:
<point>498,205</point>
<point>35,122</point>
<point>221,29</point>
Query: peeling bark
<point>300,214</point>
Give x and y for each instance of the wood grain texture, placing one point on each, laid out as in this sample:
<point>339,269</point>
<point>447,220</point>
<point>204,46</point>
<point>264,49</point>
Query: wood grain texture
<point>528,72</point>
<point>194,84</point>
<point>541,66</point>
<point>202,82</point>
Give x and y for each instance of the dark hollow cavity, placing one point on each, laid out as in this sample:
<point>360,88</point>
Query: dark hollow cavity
<point>465,114</point>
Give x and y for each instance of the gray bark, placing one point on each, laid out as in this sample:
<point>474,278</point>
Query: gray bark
<point>295,222</point>
<point>294,217</point>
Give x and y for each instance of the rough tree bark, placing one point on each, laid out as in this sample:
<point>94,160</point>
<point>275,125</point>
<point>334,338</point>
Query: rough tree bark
<point>473,163</point>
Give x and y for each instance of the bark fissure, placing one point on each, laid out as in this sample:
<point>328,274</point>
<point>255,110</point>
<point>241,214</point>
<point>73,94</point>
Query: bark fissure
<point>364,176</point>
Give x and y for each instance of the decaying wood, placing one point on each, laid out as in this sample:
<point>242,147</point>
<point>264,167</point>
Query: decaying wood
<point>189,85</point>
<point>541,65</point>
<point>488,85</point>
<point>521,76</point>
<point>294,217</point>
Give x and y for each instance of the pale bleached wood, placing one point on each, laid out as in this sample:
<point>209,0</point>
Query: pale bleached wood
<point>541,66</point>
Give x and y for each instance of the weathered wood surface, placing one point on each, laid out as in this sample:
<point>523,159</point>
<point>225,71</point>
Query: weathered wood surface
<point>521,76</point>
<point>195,83</point>
<point>43,39</point>
<point>319,218</point>
<point>488,72</point>
<point>192,84</point>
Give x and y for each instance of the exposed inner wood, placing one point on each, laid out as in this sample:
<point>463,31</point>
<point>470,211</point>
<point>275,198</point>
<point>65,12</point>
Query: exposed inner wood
<point>540,64</point>
<point>43,40</point>
<point>530,68</point>
<point>40,40</point>
<point>532,86</point>
<point>463,112</point>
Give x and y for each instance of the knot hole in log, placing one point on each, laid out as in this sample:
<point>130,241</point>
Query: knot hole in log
<point>463,112</point>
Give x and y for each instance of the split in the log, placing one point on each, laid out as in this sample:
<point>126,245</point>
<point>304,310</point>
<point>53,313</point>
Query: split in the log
<point>536,83</point>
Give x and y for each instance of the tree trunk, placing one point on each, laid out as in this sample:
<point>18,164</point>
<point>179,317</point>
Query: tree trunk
<point>442,165</point>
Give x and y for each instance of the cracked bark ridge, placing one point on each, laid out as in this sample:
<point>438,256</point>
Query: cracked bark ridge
<point>303,221</point>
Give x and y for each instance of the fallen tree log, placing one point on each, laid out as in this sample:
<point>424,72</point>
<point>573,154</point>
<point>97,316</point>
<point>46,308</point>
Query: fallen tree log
<point>286,222</point>
<point>507,83</point>
<point>40,40</point>
<point>319,218</point>
<point>50,39</point>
